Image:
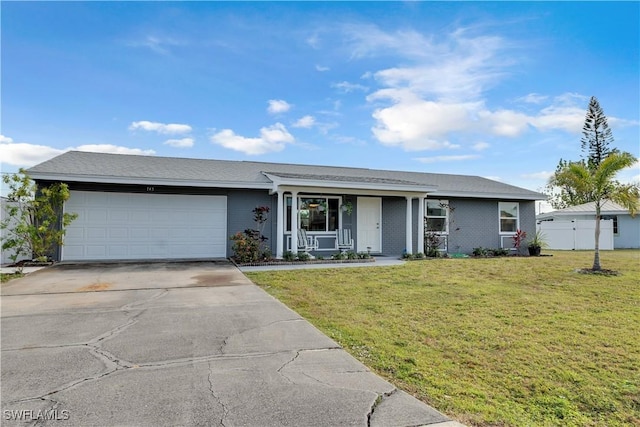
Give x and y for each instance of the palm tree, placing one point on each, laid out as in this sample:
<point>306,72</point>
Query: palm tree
<point>598,184</point>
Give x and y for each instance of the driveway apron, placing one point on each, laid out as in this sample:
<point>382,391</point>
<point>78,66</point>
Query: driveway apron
<point>168,344</point>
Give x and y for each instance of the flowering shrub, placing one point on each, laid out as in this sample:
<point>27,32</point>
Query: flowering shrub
<point>249,245</point>
<point>518,238</point>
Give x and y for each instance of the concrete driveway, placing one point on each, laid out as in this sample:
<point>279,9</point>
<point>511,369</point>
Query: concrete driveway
<point>189,344</point>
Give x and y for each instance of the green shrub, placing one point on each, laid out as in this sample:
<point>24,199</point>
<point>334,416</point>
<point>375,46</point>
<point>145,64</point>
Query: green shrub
<point>480,251</point>
<point>500,252</point>
<point>303,256</point>
<point>249,245</point>
<point>288,256</point>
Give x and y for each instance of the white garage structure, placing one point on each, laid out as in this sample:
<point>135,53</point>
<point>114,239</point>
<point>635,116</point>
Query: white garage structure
<point>130,226</point>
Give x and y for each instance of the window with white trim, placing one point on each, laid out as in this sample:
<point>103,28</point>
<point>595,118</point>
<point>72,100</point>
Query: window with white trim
<point>315,213</point>
<point>437,216</point>
<point>509,217</point>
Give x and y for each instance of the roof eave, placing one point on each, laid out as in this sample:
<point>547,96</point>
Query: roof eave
<point>478,195</point>
<point>43,176</point>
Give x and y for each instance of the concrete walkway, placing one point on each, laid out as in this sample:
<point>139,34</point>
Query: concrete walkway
<point>190,344</point>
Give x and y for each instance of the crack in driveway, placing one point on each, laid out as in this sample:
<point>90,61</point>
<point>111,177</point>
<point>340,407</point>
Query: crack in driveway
<point>377,402</point>
<point>225,410</point>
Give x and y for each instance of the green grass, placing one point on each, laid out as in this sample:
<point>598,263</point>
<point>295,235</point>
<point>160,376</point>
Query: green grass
<point>503,341</point>
<point>5,277</point>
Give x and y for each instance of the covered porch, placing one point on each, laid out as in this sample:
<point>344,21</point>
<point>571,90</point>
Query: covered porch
<point>323,205</point>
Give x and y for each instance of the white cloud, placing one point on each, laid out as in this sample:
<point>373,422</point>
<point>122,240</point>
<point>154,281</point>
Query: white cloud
<point>480,146</point>
<point>277,106</point>
<point>415,124</point>
<point>543,175</point>
<point>533,98</point>
<point>505,122</point>
<point>564,117</point>
<point>272,138</point>
<point>438,159</point>
<point>439,92</point>
<point>22,154</point>
<point>313,41</point>
<point>180,143</point>
<point>631,174</point>
<point>305,122</point>
<point>163,128</point>
<point>113,149</point>
<point>322,68</point>
<point>347,87</point>
<point>157,44</point>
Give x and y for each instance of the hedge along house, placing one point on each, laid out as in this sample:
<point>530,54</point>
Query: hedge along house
<point>146,207</point>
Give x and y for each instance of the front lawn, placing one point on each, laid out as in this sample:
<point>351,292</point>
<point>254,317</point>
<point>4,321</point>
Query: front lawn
<point>501,341</point>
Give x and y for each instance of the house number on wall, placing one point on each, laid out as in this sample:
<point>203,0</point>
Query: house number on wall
<point>150,189</point>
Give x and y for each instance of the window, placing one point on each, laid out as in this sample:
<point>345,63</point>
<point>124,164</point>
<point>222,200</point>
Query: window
<point>315,213</point>
<point>509,217</point>
<point>437,216</point>
<point>615,222</point>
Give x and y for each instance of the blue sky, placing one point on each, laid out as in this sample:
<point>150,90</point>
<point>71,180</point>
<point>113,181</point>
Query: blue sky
<point>492,89</point>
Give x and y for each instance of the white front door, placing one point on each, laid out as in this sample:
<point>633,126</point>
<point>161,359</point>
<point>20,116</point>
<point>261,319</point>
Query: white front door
<point>369,217</point>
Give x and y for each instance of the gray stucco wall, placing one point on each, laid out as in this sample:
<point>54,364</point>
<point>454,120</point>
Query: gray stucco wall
<point>240,205</point>
<point>475,222</point>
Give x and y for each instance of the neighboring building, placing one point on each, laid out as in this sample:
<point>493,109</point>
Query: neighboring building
<point>146,207</point>
<point>626,229</point>
<point>7,255</point>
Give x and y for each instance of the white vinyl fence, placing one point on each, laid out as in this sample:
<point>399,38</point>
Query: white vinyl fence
<point>577,234</point>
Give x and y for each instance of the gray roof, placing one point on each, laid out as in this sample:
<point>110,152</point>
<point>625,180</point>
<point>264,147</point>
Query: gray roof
<point>607,208</point>
<point>120,168</point>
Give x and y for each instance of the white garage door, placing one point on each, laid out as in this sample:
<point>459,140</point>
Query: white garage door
<point>145,226</point>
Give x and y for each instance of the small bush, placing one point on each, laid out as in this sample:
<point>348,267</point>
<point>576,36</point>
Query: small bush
<point>500,252</point>
<point>364,255</point>
<point>420,255</point>
<point>480,251</point>
<point>288,256</point>
<point>303,256</point>
<point>248,244</point>
<point>352,255</point>
<point>486,252</point>
<point>339,256</point>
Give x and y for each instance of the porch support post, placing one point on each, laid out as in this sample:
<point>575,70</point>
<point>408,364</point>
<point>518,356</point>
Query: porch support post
<point>409,226</point>
<point>294,222</point>
<point>421,224</point>
<point>280,224</point>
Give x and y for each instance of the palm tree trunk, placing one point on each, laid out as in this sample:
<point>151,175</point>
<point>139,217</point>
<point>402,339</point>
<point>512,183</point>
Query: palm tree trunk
<point>596,255</point>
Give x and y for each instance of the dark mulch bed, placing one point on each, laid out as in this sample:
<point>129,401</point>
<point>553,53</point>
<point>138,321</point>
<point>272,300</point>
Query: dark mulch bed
<point>602,272</point>
<point>311,261</point>
<point>31,263</point>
